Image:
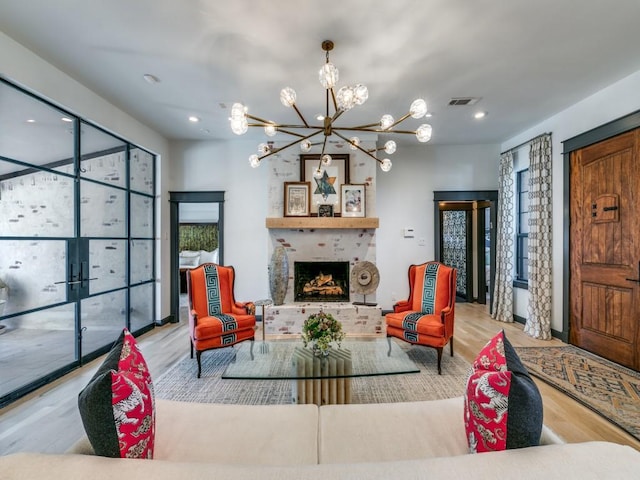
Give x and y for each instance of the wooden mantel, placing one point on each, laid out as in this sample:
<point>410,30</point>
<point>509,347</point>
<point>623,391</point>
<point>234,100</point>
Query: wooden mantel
<point>322,222</point>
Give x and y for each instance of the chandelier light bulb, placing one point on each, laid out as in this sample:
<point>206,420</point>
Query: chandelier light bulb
<point>328,75</point>
<point>386,164</point>
<point>418,108</point>
<point>361,93</point>
<point>305,145</point>
<point>390,147</point>
<point>326,160</point>
<point>254,161</point>
<point>423,133</point>
<point>238,111</point>
<point>317,173</point>
<point>239,126</point>
<point>354,143</point>
<point>288,96</point>
<point>346,98</point>
<point>270,130</point>
<point>386,121</point>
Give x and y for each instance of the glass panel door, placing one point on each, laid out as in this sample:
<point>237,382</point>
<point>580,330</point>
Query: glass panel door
<point>103,228</point>
<point>77,244</point>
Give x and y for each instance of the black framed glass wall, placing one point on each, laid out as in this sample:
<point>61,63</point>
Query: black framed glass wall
<point>76,241</point>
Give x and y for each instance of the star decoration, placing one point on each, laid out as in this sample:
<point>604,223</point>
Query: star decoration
<point>325,185</point>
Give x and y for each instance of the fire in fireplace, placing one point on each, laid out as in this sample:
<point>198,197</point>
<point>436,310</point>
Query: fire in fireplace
<point>321,281</point>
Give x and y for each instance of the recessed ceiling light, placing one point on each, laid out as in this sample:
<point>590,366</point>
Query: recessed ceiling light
<point>66,119</point>
<point>194,119</point>
<point>428,115</point>
<point>152,79</point>
<point>31,120</point>
<point>320,117</point>
<point>479,115</point>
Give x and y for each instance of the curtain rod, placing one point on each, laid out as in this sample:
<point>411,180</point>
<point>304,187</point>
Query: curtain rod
<point>524,143</point>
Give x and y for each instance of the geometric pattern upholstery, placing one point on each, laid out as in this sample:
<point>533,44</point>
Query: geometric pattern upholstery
<point>212,283</point>
<point>427,316</point>
<point>429,288</point>
<point>216,320</point>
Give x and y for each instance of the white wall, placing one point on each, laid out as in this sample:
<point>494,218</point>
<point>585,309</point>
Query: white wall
<point>28,70</point>
<point>404,198</point>
<point>224,166</point>
<point>608,104</point>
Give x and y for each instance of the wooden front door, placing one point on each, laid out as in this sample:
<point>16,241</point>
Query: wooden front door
<point>605,249</point>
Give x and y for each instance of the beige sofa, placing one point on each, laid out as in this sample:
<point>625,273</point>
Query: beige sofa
<point>398,440</point>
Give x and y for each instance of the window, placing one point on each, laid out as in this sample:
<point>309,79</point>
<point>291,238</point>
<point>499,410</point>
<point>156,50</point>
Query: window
<point>522,228</point>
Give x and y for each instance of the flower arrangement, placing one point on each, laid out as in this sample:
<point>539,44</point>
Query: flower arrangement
<point>320,329</point>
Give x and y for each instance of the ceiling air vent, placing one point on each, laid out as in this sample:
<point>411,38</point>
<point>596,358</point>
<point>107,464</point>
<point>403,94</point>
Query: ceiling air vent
<point>463,101</point>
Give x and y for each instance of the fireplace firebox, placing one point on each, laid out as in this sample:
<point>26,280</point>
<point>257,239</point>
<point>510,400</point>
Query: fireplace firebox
<point>321,281</point>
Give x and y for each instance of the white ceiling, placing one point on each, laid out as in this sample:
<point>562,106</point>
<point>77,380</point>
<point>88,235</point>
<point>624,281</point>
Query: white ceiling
<point>526,59</point>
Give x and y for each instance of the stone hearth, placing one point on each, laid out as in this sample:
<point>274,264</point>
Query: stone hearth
<point>356,319</point>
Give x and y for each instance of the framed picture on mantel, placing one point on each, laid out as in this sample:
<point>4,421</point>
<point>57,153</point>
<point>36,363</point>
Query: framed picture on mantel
<point>326,189</point>
<point>296,199</point>
<point>353,200</point>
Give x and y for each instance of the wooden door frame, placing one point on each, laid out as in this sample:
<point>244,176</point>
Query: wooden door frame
<point>490,196</point>
<point>596,135</point>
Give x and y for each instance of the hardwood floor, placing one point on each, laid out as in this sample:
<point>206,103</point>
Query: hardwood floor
<point>48,420</point>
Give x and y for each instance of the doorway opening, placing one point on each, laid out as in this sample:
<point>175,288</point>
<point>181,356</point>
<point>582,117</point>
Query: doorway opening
<point>197,220</point>
<point>465,229</point>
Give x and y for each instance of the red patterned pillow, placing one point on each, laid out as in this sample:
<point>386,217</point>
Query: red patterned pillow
<point>502,407</point>
<point>117,406</point>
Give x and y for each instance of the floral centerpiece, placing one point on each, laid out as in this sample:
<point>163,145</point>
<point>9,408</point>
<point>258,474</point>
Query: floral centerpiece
<point>319,330</point>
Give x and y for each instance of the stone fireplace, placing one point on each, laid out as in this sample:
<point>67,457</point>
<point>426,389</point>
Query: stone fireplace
<point>321,281</point>
<point>325,242</point>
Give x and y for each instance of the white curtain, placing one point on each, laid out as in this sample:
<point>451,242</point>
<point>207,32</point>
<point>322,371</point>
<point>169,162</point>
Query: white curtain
<point>503,288</point>
<point>538,323</point>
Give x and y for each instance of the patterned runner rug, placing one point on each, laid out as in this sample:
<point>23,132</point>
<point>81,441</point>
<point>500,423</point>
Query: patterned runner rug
<point>603,386</point>
<point>179,382</point>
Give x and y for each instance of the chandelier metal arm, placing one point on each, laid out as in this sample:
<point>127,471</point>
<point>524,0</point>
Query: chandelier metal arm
<point>336,115</point>
<point>262,121</point>
<point>300,115</point>
<point>324,144</point>
<point>358,147</point>
<point>372,130</point>
<point>335,102</point>
<point>290,144</point>
<point>401,119</point>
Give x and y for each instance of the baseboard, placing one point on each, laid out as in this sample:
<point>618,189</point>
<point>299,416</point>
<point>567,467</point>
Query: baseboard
<point>165,320</point>
<point>563,336</point>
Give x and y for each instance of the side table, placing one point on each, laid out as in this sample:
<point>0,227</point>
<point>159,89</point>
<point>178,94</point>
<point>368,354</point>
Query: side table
<point>264,348</point>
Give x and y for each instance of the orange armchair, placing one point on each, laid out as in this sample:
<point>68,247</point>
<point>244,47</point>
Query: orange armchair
<point>427,316</point>
<point>216,320</point>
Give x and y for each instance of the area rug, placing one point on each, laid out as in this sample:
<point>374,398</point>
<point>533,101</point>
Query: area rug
<point>603,386</point>
<point>179,382</point>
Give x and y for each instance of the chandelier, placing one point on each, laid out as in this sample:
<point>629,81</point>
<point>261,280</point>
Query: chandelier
<point>343,100</point>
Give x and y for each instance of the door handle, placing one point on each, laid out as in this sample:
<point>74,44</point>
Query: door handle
<point>74,279</point>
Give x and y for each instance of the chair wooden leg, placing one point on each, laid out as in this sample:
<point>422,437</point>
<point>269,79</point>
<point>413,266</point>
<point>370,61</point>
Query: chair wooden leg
<point>451,345</point>
<point>439,360</point>
<point>198,354</point>
<point>251,349</point>
<point>389,342</point>
<point>191,347</point>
